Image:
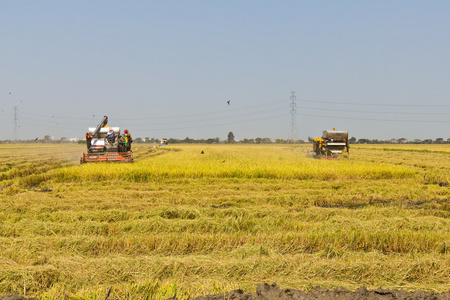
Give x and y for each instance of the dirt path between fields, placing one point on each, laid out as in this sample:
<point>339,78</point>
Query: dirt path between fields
<point>272,292</point>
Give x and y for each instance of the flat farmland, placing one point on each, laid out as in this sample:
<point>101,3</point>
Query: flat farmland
<point>189,220</point>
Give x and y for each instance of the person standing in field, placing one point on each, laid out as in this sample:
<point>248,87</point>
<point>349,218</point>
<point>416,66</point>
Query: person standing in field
<point>128,139</point>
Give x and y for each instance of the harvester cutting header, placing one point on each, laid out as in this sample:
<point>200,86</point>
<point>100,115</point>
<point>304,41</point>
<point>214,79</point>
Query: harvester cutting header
<point>107,144</point>
<point>331,144</point>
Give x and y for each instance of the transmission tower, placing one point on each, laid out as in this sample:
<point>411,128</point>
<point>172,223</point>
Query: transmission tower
<point>15,122</point>
<point>293,111</point>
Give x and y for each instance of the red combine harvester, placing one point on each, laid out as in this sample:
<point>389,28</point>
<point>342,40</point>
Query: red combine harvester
<point>330,145</point>
<point>107,144</point>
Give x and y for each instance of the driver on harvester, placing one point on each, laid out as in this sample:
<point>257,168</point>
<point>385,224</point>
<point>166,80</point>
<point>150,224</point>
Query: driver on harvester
<point>111,136</point>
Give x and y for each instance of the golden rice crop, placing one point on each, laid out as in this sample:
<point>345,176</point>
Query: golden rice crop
<point>179,222</point>
<point>235,162</point>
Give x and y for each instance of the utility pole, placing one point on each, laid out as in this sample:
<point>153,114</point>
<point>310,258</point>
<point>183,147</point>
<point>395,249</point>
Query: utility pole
<point>293,111</point>
<point>15,122</point>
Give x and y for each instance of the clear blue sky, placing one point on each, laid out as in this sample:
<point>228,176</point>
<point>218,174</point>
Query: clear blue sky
<point>379,69</point>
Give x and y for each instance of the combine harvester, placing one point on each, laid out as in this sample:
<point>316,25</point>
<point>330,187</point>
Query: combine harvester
<point>164,142</point>
<point>106,144</point>
<point>330,145</point>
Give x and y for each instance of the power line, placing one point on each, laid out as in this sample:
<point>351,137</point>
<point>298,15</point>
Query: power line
<point>218,115</point>
<point>255,109</point>
<point>205,117</point>
<point>211,125</point>
<point>241,114</point>
<point>377,104</point>
<point>376,112</point>
<point>165,117</point>
<point>370,119</point>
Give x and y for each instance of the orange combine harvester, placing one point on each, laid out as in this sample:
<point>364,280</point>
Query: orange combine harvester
<point>107,144</point>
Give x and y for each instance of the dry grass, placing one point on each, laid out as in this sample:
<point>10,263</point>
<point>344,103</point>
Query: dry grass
<point>185,223</point>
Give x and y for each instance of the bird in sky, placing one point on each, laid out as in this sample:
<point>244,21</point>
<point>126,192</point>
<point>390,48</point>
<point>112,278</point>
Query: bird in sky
<point>228,102</point>
<point>36,139</point>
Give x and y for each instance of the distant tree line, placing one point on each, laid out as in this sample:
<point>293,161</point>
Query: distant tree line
<point>231,140</point>
<point>46,139</point>
<point>186,140</point>
<point>353,140</point>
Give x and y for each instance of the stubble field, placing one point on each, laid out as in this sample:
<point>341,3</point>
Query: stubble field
<point>181,223</point>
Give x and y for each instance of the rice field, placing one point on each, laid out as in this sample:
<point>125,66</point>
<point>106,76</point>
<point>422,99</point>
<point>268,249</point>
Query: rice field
<point>181,223</point>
